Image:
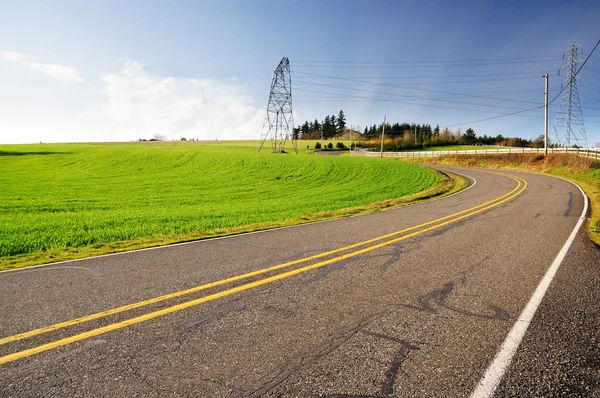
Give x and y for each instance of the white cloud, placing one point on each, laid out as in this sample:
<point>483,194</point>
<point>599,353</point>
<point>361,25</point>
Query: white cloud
<point>174,107</point>
<point>62,73</point>
<point>12,56</point>
<point>122,106</point>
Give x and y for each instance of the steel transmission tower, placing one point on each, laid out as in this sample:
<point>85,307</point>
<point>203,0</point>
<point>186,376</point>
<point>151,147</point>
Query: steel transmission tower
<point>279,122</point>
<point>568,127</point>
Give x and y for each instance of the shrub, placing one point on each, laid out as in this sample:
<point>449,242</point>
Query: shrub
<point>340,145</point>
<point>329,145</point>
<point>318,145</point>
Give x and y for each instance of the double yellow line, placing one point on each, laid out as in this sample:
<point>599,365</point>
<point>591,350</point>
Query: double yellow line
<point>391,238</point>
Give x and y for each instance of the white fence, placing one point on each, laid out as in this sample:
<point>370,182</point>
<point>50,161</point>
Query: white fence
<point>589,152</point>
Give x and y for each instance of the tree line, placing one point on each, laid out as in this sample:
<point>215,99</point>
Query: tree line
<point>401,136</point>
<point>329,127</point>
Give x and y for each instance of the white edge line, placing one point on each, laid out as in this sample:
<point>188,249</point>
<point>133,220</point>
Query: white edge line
<point>496,370</point>
<point>34,267</point>
<point>460,174</point>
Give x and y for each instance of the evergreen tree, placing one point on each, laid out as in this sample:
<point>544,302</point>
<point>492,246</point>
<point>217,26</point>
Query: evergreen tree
<point>341,121</point>
<point>469,136</point>
<point>326,126</point>
<point>305,129</point>
<point>333,125</point>
<point>316,126</point>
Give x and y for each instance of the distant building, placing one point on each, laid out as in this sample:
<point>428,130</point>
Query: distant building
<point>349,133</point>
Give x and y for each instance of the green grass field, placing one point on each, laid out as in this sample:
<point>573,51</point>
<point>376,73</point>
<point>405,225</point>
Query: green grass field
<point>63,201</point>
<point>254,143</point>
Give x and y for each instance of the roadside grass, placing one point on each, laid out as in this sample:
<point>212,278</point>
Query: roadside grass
<point>584,171</point>
<point>67,201</point>
<point>455,148</point>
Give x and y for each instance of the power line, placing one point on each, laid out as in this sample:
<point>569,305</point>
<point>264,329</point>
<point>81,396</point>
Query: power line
<point>438,82</point>
<point>576,73</point>
<point>534,108</point>
<point>422,98</point>
<point>514,76</point>
<point>535,73</point>
<point>409,88</point>
<point>590,85</point>
<point>505,92</point>
<point>497,117</point>
<point>466,60</point>
<point>569,113</point>
<point>412,64</point>
<point>395,101</point>
<point>587,96</point>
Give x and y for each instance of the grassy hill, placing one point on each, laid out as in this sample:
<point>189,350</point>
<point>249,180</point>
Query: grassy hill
<point>60,201</point>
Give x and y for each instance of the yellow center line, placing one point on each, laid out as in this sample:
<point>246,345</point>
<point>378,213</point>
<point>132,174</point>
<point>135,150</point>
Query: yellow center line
<point>236,278</point>
<point>191,303</point>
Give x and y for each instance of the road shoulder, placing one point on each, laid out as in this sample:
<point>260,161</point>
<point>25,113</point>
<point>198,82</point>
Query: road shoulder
<point>560,353</point>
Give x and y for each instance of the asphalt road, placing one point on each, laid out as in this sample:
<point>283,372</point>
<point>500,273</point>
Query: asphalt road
<point>418,313</point>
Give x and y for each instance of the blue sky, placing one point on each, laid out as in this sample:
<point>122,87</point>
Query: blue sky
<point>122,70</point>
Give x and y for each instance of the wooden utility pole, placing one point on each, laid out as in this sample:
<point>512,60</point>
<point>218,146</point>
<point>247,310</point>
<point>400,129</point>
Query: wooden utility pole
<point>382,133</point>
<point>546,116</point>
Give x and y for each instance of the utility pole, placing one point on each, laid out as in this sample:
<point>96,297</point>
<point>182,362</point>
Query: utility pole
<point>279,121</point>
<point>546,116</point>
<point>416,141</point>
<point>382,133</point>
<point>322,138</point>
<point>569,128</point>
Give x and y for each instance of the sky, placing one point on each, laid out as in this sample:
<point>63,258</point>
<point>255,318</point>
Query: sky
<point>91,71</point>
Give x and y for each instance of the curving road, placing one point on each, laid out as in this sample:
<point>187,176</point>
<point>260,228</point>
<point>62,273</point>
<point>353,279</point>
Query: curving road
<point>415,301</point>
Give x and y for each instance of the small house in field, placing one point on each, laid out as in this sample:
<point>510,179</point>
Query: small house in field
<point>350,134</point>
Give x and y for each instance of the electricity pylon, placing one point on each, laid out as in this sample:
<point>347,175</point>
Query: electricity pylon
<point>279,122</point>
<point>568,127</point>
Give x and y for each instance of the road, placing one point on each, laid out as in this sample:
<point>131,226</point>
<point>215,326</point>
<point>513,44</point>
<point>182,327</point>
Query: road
<point>409,302</point>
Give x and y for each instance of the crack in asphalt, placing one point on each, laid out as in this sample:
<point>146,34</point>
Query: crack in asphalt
<point>569,205</point>
<point>439,298</point>
<point>325,349</point>
<point>391,375</point>
<point>220,311</point>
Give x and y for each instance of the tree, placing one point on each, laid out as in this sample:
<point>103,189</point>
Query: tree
<point>538,142</point>
<point>341,121</point>
<point>436,133</point>
<point>316,126</point>
<point>305,129</point>
<point>469,137</point>
<point>327,127</point>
